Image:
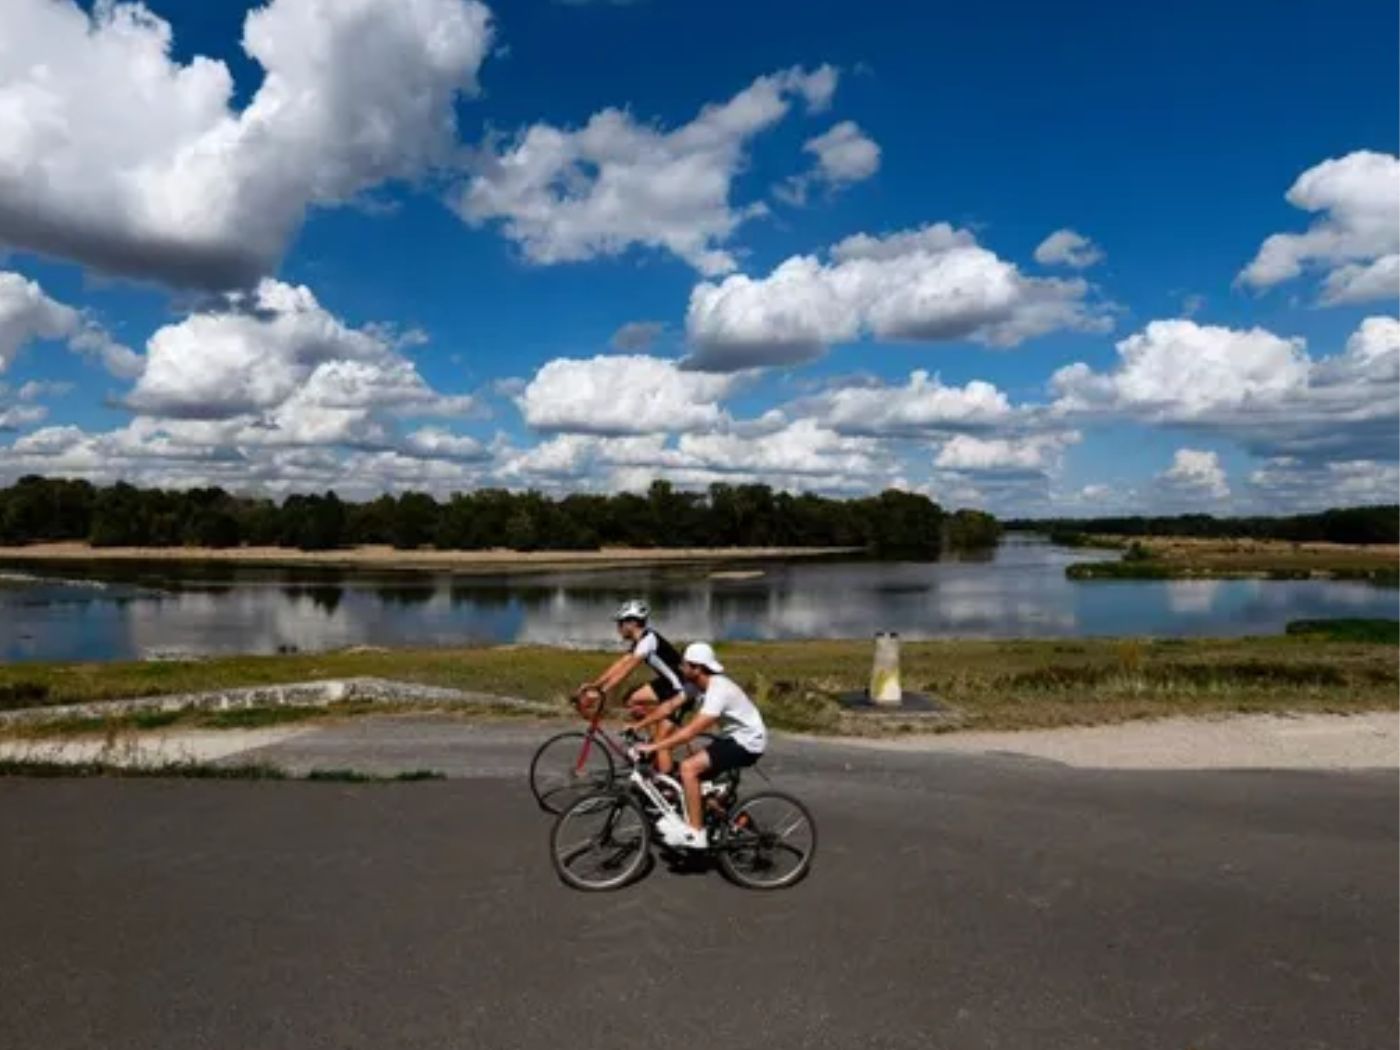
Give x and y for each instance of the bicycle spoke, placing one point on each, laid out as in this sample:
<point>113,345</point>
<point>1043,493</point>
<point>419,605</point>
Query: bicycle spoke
<point>770,841</point>
<point>600,842</point>
<point>568,767</point>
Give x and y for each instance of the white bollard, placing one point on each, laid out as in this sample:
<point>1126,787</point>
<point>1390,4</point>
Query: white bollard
<point>884,676</point>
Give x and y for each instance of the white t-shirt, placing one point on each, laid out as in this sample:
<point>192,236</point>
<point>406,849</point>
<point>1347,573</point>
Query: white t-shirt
<point>739,718</point>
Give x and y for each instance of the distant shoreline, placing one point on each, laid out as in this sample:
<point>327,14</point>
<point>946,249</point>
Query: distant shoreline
<point>1237,558</point>
<point>384,557</point>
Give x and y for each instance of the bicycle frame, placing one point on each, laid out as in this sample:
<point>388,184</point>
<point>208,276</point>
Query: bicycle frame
<point>595,731</point>
<point>648,787</point>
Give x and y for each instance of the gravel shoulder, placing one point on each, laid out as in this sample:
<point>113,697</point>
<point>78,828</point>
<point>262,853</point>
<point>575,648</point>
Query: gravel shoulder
<point>389,743</point>
<point>151,748</point>
<point>1363,741</point>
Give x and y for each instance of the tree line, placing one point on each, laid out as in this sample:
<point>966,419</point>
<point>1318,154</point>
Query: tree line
<point>37,509</point>
<point>1371,524</point>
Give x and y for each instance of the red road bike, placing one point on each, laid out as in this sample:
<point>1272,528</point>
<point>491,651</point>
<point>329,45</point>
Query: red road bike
<point>570,765</point>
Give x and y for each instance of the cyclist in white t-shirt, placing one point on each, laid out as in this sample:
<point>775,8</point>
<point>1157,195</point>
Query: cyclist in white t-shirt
<point>659,705</point>
<point>742,743</point>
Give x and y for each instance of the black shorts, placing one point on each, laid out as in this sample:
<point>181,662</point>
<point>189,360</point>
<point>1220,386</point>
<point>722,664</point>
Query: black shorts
<point>726,754</point>
<point>664,688</point>
<point>666,691</point>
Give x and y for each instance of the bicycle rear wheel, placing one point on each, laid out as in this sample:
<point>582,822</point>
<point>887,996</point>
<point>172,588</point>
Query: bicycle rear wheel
<point>768,842</point>
<point>601,842</point>
<point>563,772</point>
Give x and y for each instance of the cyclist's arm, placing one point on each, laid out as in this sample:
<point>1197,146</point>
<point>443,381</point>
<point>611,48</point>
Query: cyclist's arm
<point>620,669</point>
<point>699,724</point>
<point>662,711</point>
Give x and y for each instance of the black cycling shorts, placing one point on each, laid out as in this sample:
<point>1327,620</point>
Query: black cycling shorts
<point>664,688</point>
<point>727,753</point>
<point>665,691</point>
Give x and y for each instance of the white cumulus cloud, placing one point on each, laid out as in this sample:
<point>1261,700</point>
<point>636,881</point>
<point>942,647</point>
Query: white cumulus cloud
<point>1195,474</point>
<point>117,155</point>
<point>798,454</point>
<point>27,314</point>
<point>1256,387</point>
<point>1355,241</point>
<point>1068,248</point>
<point>1289,485</point>
<point>1032,454</point>
<point>922,405</point>
<point>570,195</point>
<point>930,284</point>
<point>277,351</point>
<point>841,156</point>
<point>621,394</point>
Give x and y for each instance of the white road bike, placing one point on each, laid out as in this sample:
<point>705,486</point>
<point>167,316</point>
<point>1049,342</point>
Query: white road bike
<point>603,840</point>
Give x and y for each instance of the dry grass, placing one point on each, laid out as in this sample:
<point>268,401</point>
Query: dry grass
<point>989,684</point>
<point>1176,557</point>
<point>488,561</point>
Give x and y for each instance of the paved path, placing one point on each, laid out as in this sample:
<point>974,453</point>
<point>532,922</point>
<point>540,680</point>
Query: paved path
<point>957,902</point>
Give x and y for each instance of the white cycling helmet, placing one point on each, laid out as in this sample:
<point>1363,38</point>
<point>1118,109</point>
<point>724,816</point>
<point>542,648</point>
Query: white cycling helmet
<point>633,609</point>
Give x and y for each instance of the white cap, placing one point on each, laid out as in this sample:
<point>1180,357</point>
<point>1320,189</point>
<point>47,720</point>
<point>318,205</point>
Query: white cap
<point>702,655</point>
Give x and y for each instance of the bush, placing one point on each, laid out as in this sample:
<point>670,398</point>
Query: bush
<point>1386,632</point>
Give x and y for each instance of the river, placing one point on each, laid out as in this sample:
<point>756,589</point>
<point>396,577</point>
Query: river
<point>107,611</point>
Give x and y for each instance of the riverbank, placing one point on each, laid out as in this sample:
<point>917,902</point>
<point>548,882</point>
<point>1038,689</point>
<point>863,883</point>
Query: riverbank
<point>981,685</point>
<point>384,557</point>
<point>1182,558</point>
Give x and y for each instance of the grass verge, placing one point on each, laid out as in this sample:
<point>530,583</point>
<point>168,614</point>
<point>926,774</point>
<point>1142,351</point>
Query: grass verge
<point>43,768</point>
<point>1007,684</point>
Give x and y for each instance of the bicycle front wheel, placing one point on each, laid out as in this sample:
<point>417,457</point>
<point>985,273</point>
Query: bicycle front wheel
<point>567,767</point>
<point>769,841</point>
<point>601,842</point>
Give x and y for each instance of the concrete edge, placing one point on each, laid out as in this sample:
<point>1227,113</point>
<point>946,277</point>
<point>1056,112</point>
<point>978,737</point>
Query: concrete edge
<point>301,694</point>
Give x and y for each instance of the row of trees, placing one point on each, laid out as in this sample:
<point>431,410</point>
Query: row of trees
<point>37,509</point>
<point>1376,524</point>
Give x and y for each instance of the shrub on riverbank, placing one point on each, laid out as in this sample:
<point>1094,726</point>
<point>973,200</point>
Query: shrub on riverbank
<point>1377,632</point>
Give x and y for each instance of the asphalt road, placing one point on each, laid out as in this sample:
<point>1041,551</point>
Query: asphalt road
<point>955,902</point>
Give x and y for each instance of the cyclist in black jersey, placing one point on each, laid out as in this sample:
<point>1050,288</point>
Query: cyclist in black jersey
<point>658,706</point>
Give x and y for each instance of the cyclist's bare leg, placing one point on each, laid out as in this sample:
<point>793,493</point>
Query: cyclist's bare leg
<point>664,762</point>
<point>693,770</point>
<point>641,702</point>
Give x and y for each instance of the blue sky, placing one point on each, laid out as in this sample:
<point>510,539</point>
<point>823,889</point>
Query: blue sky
<point>464,283</point>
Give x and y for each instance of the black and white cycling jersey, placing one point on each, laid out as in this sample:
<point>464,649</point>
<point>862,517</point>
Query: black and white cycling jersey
<point>661,656</point>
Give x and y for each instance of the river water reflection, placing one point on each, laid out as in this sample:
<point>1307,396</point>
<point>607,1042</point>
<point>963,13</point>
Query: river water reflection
<point>104,612</point>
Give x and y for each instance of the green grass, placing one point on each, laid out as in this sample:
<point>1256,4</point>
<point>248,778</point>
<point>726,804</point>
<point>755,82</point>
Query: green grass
<point>34,767</point>
<point>1150,569</point>
<point>1125,570</point>
<point>1376,632</point>
<point>48,768</point>
<point>1005,684</point>
<point>352,776</point>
